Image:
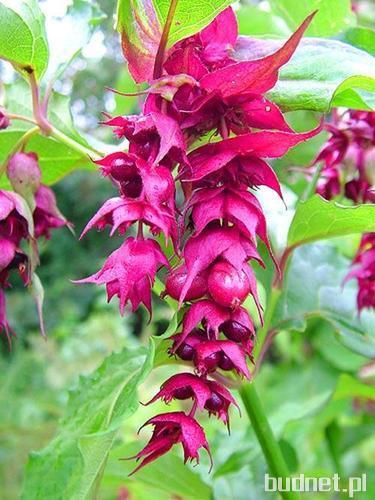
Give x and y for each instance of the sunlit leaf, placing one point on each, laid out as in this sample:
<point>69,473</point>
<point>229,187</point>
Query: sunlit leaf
<point>22,36</point>
<point>70,464</point>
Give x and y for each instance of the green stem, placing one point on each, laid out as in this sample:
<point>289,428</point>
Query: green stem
<point>266,438</point>
<point>262,332</point>
<point>310,190</point>
<point>80,148</point>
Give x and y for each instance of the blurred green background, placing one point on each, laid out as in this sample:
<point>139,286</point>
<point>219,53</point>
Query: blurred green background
<point>308,382</point>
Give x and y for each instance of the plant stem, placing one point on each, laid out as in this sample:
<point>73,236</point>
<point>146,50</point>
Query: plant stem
<point>266,438</point>
<point>159,58</point>
<point>262,332</point>
<point>80,148</point>
<point>13,116</point>
<point>39,115</point>
<point>310,190</point>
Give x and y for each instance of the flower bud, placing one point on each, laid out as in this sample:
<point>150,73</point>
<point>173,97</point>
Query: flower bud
<point>228,286</point>
<point>176,280</point>
<point>24,173</point>
<point>4,120</point>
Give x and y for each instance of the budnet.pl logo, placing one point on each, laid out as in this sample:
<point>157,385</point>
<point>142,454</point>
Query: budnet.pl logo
<point>306,484</point>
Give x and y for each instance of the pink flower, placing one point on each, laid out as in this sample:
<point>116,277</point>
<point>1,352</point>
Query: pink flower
<point>15,225</point>
<point>155,137</point>
<point>223,354</point>
<point>207,394</point>
<point>170,429</point>
<point>364,272</point>
<point>213,317</point>
<point>46,214</point>
<point>138,180</point>
<point>129,272</point>
<point>120,214</point>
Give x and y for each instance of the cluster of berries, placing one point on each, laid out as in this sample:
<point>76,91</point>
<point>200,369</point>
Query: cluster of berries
<point>349,170</point>
<point>26,214</point>
<point>204,95</point>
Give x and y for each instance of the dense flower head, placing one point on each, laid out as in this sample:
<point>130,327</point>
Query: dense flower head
<point>349,158</point>
<point>198,90</point>
<point>364,272</point>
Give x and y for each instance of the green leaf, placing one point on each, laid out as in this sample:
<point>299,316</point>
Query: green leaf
<point>312,78</point>
<point>332,17</point>
<point>319,219</point>
<point>363,38</point>
<point>22,36</point>
<point>56,159</point>
<point>71,463</point>
<point>314,287</point>
<point>190,17</point>
<point>350,387</point>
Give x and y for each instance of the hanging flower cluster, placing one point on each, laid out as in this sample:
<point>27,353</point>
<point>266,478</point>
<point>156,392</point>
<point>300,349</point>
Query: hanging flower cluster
<point>349,170</point>
<point>26,214</point>
<point>203,94</point>
<point>349,158</point>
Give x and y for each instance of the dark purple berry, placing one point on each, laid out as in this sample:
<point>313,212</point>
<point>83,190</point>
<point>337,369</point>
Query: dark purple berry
<point>215,403</point>
<point>185,352</point>
<point>225,363</point>
<point>235,331</point>
<point>183,393</point>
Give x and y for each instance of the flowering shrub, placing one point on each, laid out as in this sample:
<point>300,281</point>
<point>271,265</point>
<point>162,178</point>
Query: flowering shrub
<point>197,172</point>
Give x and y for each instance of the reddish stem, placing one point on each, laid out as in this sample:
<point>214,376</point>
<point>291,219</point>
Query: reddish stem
<point>39,113</point>
<point>159,58</point>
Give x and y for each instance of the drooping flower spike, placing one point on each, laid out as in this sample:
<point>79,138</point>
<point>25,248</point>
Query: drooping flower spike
<point>202,90</point>
<point>26,214</point>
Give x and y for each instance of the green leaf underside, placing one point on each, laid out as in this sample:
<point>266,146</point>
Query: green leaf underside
<point>318,219</point>
<point>71,463</point>
<point>22,36</point>
<point>321,74</point>
<point>314,287</point>
<point>56,159</point>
